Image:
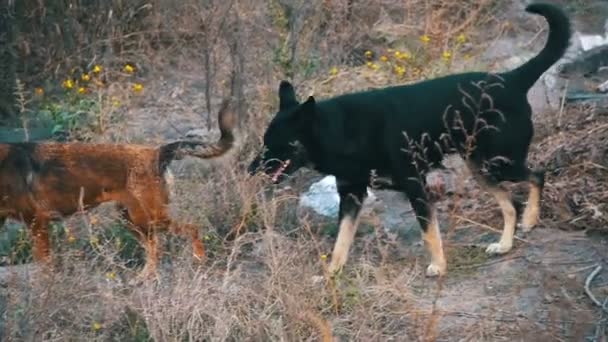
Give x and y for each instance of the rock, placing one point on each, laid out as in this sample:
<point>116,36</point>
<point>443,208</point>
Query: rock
<point>323,198</point>
<point>589,42</point>
<point>603,88</point>
<point>203,134</point>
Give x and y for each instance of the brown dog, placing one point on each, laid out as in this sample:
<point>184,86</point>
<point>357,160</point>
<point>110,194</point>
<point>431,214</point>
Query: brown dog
<point>40,182</point>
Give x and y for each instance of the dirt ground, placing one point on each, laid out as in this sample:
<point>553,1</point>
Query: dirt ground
<point>535,292</point>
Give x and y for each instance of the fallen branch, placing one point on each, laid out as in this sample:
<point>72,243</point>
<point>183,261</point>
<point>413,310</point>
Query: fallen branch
<point>490,263</point>
<point>588,281</point>
<point>488,227</point>
<point>600,325</point>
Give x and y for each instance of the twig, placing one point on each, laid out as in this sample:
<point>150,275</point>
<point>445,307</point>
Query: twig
<point>471,18</point>
<point>535,37</point>
<point>490,263</point>
<point>561,106</point>
<point>588,291</point>
<point>488,227</point>
<point>599,327</point>
<point>583,268</point>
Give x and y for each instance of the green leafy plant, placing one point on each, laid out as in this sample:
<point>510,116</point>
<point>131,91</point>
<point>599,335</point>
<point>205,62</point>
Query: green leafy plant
<point>70,114</point>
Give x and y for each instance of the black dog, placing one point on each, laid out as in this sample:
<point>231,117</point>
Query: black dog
<point>402,132</point>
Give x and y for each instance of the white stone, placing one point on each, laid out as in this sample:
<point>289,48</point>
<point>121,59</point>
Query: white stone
<point>589,41</point>
<point>323,198</point>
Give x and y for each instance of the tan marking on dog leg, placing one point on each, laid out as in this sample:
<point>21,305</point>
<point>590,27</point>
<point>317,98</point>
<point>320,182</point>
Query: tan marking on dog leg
<point>152,256</point>
<point>433,243</point>
<point>532,212</point>
<point>346,235</point>
<point>190,231</point>
<point>510,219</point>
<point>198,248</point>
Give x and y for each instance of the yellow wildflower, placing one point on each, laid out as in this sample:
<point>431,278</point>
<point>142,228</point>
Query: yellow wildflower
<point>333,71</point>
<point>68,84</point>
<point>111,275</point>
<point>372,66</point>
<point>71,238</point>
<point>397,54</point>
<point>447,55</point>
<point>323,257</point>
<point>384,58</point>
<point>425,38</point>
<point>94,240</point>
<point>97,69</point>
<point>129,69</point>
<point>138,87</point>
<point>369,54</point>
<point>399,70</point>
<point>207,237</point>
<point>94,220</point>
<point>115,101</point>
<point>461,38</point>
<point>96,326</point>
<point>82,90</point>
<point>85,77</point>
<point>39,91</point>
<point>405,56</point>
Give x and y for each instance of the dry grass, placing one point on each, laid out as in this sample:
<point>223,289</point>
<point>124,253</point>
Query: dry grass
<point>265,252</point>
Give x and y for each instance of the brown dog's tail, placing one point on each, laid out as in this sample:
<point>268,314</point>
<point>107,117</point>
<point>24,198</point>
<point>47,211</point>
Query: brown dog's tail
<point>179,149</point>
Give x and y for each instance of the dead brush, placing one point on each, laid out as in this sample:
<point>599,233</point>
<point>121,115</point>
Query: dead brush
<point>258,285</point>
<point>577,192</point>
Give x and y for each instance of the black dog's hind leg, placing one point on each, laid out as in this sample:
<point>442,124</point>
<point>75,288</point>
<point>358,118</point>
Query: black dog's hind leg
<point>531,213</point>
<point>351,199</point>
<point>427,217</point>
<point>513,172</point>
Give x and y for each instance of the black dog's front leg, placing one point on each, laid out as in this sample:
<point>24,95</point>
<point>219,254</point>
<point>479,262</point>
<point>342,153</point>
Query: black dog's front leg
<point>427,217</point>
<point>351,199</point>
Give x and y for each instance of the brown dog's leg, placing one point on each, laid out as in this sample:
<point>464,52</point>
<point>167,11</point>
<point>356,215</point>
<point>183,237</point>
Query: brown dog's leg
<point>150,243</point>
<point>143,229</point>
<point>190,231</point>
<point>41,251</point>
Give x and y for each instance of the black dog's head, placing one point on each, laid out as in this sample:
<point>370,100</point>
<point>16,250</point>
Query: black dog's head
<point>283,152</point>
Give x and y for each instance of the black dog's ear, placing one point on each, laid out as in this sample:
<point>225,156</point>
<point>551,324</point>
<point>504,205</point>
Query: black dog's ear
<point>287,96</point>
<point>305,113</point>
<point>309,105</point>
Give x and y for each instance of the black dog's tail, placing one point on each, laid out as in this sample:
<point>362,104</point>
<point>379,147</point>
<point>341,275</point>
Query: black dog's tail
<point>557,44</point>
<point>179,149</point>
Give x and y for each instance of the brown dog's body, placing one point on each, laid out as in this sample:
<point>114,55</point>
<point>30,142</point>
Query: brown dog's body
<point>40,182</point>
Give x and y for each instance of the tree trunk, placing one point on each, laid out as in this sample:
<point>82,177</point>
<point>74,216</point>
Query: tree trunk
<point>8,71</point>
